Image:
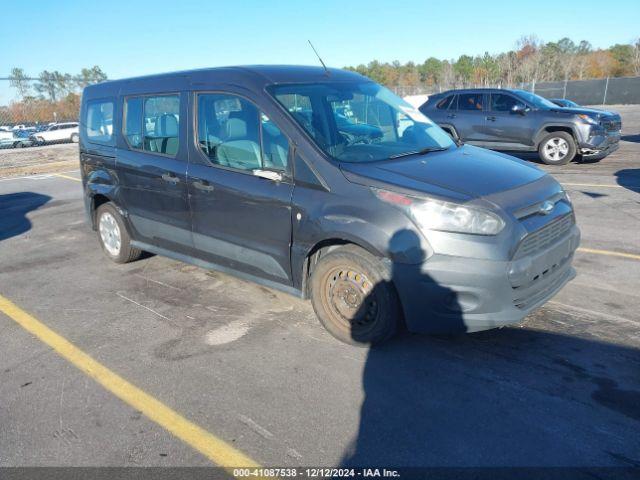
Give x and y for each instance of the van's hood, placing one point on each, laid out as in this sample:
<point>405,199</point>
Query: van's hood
<point>460,173</point>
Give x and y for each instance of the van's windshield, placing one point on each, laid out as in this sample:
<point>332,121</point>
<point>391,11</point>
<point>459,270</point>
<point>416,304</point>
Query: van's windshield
<point>360,122</point>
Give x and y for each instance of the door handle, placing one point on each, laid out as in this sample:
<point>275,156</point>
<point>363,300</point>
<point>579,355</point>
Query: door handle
<point>491,119</point>
<point>170,177</point>
<point>204,186</point>
<point>451,115</point>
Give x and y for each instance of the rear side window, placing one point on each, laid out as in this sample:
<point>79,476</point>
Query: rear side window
<point>133,121</point>
<point>99,122</point>
<point>446,103</point>
<point>470,101</point>
<point>152,123</point>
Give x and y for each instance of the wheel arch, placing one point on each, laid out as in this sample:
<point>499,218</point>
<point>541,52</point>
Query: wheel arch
<point>548,128</point>
<point>326,245</point>
<point>100,188</point>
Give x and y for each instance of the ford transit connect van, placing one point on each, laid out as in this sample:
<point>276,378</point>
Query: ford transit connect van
<point>326,185</point>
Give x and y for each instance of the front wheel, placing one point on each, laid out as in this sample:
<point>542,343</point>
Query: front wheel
<point>557,148</point>
<point>352,297</point>
<point>113,235</point>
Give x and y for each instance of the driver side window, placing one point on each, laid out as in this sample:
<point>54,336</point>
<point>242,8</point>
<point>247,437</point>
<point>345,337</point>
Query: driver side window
<point>501,102</point>
<point>233,133</point>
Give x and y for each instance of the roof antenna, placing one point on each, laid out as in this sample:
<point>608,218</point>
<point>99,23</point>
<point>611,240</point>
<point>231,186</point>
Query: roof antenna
<point>326,70</point>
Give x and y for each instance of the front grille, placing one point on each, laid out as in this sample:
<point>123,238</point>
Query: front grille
<point>612,125</point>
<point>535,296</point>
<point>545,236</point>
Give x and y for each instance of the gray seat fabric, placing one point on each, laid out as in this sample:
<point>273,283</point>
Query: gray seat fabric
<point>165,138</point>
<point>240,148</point>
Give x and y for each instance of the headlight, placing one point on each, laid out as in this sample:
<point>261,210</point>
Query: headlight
<point>430,214</point>
<point>588,119</point>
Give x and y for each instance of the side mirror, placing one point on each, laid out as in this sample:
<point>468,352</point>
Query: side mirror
<point>519,108</point>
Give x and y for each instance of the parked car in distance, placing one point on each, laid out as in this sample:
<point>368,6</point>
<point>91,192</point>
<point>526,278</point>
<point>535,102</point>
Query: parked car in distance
<point>57,133</point>
<point>14,139</point>
<point>23,137</point>
<point>517,120</point>
<point>6,138</point>
<point>258,171</point>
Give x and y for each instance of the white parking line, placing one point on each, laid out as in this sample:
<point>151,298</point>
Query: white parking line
<point>39,176</point>
<point>607,185</point>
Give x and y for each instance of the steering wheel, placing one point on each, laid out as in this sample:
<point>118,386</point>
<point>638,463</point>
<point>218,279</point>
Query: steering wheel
<point>352,139</point>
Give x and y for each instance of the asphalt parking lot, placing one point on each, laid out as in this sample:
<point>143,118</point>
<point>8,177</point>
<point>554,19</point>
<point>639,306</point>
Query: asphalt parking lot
<point>253,368</point>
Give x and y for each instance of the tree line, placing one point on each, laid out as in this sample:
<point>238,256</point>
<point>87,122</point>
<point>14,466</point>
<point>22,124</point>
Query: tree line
<point>530,61</point>
<point>52,95</point>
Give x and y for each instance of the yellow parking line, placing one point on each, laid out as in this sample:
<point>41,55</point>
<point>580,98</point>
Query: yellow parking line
<point>608,185</point>
<point>67,177</point>
<point>609,252</point>
<point>212,447</point>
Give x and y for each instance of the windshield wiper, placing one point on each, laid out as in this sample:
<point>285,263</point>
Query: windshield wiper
<point>418,152</point>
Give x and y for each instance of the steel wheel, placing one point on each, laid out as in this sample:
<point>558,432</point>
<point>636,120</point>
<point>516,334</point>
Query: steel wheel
<point>350,298</point>
<point>110,234</point>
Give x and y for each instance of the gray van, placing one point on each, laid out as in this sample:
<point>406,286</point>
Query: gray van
<point>326,185</point>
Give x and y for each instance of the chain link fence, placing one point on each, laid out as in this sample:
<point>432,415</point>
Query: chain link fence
<point>603,91</point>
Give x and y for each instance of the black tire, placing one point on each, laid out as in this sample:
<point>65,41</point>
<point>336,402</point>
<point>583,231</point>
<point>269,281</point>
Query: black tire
<point>74,138</point>
<point>18,145</point>
<point>39,141</point>
<point>550,156</point>
<point>353,298</point>
<point>125,253</point>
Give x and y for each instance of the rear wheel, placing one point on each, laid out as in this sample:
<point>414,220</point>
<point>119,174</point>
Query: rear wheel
<point>74,137</point>
<point>113,235</point>
<point>40,141</point>
<point>557,148</point>
<point>352,297</point>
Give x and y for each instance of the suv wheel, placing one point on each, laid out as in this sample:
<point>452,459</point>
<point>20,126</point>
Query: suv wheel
<point>113,235</point>
<point>557,148</point>
<point>352,297</point>
<point>74,137</point>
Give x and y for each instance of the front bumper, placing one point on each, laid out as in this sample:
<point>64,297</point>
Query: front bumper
<point>448,294</point>
<point>600,143</point>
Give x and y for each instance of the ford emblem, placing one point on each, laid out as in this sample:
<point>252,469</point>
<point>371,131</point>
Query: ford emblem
<point>546,208</point>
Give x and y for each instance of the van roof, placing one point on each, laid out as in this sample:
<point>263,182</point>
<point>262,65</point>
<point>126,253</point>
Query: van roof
<point>251,76</point>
